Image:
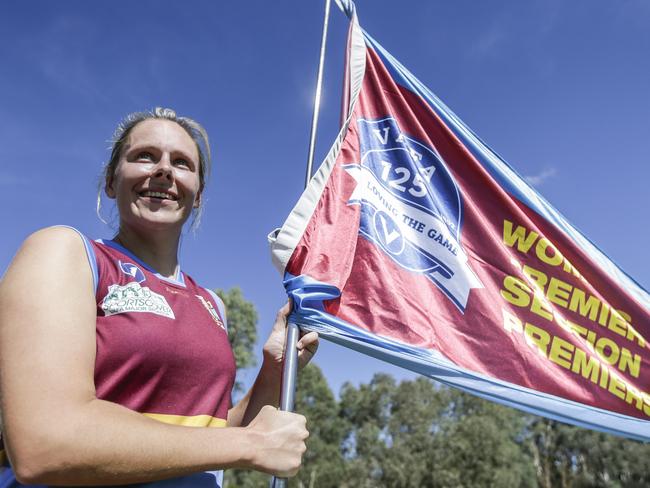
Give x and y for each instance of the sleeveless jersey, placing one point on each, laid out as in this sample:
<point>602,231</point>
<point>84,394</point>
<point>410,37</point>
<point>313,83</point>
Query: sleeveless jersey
<point>162,347</point>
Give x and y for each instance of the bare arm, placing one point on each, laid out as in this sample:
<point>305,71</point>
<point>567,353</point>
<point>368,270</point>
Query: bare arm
<point>265,391</point>
<point>57,431</point>
<point>267,386</point>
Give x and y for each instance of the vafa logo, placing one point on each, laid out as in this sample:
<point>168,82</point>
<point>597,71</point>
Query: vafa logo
<point>132,270</point>
<point>411,207</point>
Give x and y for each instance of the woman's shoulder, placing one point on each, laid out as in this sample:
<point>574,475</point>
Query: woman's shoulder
<point>57,242</point>
<point>56,235</point>
<point>57,248</point>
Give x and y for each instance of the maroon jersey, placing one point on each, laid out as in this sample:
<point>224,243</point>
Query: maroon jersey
<point>162,349</point>
<point>162,345</point>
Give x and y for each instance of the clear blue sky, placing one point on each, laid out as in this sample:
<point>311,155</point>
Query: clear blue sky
<point>561,89</point>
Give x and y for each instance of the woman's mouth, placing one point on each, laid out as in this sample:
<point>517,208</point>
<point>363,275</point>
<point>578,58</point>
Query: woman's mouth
<point>158,195</point>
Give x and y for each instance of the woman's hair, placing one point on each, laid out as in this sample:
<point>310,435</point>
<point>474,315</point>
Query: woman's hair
<point>124,128</point>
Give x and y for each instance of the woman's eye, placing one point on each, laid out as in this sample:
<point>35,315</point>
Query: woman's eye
<point>146,156</point>
<point>182,162</point>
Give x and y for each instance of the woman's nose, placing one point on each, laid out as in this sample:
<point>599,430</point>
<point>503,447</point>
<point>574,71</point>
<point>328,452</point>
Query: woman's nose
<point>163,169</point>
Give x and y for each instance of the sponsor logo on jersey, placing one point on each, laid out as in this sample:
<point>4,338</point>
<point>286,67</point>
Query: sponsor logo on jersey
<point>134,297</point>
<point>133,271</point>
<point>213,313</point>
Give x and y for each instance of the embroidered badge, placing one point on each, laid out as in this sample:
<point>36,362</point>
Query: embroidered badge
<point>133,297</point>
<point>213,313</point>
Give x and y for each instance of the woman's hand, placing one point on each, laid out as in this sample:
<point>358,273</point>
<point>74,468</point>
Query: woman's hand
<point>267,386</point>
<point>274,347</point>
<point>278,441</point>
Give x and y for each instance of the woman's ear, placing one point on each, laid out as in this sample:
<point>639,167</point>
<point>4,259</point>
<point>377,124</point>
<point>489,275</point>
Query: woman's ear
<point>108,187</point>
<point>199,196</point>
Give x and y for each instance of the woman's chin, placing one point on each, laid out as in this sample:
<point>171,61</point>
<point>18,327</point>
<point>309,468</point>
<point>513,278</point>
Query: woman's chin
<point>157,223</point>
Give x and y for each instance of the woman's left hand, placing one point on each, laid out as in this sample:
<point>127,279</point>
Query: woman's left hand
<point>274,346</point>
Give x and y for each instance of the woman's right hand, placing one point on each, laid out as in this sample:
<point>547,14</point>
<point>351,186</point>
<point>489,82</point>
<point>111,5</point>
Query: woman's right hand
<point>279,441</point>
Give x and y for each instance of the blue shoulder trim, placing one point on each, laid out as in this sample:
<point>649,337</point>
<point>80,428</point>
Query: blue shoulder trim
<point>180,278</point>
<point>7,478</point>
<point>220,305</point>
<point>90,254</point>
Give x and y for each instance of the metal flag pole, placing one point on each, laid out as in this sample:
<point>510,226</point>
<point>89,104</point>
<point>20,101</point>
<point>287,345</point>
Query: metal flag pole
<point>319,87</point>
<point>290,368</point>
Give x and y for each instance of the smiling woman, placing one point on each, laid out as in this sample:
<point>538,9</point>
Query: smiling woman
<point>193,147</point>
<point>156,174</point>
<point>121,368</point>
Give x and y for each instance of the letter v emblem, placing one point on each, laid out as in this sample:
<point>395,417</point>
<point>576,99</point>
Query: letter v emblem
<point>388,236</point>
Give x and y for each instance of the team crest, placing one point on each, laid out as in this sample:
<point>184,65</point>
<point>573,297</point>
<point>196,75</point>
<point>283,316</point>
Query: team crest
<point>213,313</point>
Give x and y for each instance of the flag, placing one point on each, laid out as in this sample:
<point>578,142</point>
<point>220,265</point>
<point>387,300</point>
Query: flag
<point>417,244</point>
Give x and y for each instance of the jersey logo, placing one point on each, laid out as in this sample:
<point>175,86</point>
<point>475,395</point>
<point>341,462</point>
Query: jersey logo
<point>133,297</point>
<point>213,313</point>
<point>132,270</point>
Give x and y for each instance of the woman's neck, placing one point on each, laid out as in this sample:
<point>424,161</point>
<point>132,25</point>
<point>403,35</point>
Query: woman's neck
<point>160,251</point>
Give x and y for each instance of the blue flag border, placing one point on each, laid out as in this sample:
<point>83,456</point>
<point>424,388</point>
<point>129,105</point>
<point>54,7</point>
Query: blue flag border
<point>308,296</point>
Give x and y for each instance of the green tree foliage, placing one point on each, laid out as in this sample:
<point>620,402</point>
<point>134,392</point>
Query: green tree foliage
<point>323,462</point>
<point>237,478</point>
<point>366,411</point>
<point>570,457</point>
<point>480,443</point>
<point>415,410</point>
<point>242,328</point>
<point>416,434</point>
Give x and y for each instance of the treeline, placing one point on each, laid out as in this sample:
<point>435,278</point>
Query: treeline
<point>421,434</point>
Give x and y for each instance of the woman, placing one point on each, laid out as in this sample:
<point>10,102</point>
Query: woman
<point>115,365</point>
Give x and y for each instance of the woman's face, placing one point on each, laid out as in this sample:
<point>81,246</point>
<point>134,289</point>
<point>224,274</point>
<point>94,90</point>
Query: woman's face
<point>156,182</point>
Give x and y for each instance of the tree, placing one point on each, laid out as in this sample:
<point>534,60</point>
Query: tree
<point>480,443</point>
<point>417,434</point>
<point>323,464</point>
<point>415,413</point>
<point>572,457</point>
<point>242,328</point>
<point>366,411</point>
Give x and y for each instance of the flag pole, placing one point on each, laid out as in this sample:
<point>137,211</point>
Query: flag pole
<point>319,87</point>
<point>290,368</point>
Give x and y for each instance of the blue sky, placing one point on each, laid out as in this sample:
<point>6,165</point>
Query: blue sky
<point>560,89</point>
